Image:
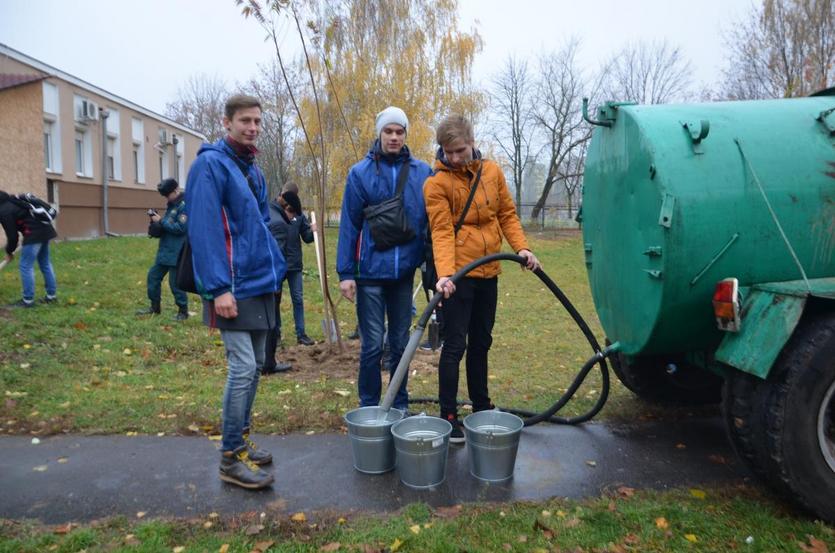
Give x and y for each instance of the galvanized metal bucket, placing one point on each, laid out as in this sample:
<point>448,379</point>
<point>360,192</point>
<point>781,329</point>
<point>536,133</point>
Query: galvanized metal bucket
<point>422,444</point>
<point>369,429</point>
<point>492,442</point>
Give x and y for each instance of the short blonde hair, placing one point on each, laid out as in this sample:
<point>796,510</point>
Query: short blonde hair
<point>454,127</point>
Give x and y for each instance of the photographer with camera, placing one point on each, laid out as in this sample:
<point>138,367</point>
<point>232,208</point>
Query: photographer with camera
<point>171,231</point>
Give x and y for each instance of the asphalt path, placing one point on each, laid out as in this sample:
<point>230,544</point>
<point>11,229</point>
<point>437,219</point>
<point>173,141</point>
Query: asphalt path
<point>81,478</point>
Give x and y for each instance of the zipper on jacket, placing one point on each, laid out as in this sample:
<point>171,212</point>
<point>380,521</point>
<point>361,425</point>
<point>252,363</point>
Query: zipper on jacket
<point>397,248</point>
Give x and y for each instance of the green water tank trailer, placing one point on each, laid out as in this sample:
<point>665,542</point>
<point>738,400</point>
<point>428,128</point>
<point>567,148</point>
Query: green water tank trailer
<point>709,239</point>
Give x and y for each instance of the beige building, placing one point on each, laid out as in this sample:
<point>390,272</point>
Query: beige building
<point>59,136</point>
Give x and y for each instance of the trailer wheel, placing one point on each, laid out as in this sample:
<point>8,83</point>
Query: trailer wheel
<point>745,414</point>
<point>667,379</point>
<point>801,419</point>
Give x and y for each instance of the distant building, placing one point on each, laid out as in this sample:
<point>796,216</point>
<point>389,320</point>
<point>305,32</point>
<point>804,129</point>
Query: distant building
<point>60,135</point>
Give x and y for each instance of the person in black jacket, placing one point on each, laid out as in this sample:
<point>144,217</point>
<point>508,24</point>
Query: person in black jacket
<point>289,227</point>
<point>36,236</point>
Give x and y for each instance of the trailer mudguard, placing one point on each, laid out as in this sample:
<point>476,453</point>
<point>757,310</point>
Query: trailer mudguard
<point>769,316</point>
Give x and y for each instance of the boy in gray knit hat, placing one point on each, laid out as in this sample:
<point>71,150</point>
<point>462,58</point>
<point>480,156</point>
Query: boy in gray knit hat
<point>379,276</point>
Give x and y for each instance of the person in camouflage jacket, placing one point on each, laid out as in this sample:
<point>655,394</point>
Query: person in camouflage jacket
<point>170,228</point>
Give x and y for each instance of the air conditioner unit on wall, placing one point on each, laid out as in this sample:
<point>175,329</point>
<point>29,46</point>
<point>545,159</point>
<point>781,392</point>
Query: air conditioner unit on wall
<point>90,110</point>
<point>163,137</point>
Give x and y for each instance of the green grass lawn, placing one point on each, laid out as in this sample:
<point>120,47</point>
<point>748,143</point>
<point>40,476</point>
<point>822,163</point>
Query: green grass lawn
<point>89,365</point>
<point>689,520</point>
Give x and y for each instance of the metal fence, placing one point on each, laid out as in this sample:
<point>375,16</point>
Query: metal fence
<point>552,216</point>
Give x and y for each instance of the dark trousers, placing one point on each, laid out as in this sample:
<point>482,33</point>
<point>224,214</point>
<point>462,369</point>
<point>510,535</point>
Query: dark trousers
<point>273,336</point>
<point>469,315</point>
<point>155,275</point>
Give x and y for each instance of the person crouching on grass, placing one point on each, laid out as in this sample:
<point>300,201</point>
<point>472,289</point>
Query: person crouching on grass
<point>469,309</point>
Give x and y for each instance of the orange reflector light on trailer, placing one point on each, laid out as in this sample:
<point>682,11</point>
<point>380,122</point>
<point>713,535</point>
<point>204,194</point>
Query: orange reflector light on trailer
<point>726,304</point>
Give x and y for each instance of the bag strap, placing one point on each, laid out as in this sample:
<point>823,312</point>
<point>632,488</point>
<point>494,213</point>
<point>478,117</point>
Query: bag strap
<point>460,222</point>
<point>402,177</point>
<point>251,184</point>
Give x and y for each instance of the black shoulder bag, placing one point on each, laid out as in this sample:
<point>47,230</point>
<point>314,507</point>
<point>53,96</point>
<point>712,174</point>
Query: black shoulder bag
<point>185,266</point>
<point>429,275</point>
<point>387,220</point>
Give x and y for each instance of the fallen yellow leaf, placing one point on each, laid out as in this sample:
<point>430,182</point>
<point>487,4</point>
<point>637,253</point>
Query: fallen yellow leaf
<point>140,514</point>
<point>223,548</point>
<point>263,546</point>
<point>698,494</point>
<point>207,524</point>
<point>396,545</point>
<point>662,523</point>
<point>40,468</point>
<point>691,538</point>
<point>179,549</point>
<point>298,517</point>
<point>415,528</point>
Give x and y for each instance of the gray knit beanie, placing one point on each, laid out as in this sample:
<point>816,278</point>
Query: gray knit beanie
<point>391,115</point>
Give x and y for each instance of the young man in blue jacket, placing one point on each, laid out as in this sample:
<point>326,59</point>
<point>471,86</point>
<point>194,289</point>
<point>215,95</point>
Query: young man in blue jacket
<point>237,268</point>
<point>381,280</point>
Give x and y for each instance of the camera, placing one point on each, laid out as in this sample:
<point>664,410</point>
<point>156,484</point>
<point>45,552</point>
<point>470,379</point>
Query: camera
<point>152,212</point>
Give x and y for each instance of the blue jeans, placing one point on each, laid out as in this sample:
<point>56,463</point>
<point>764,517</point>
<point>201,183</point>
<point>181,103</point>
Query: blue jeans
<point>28,254</point>
<point>294,283</point>
<point>245,357</point>
<point>375,303</point>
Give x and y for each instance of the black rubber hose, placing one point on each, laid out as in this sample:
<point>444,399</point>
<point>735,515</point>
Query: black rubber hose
<point>599,356</point>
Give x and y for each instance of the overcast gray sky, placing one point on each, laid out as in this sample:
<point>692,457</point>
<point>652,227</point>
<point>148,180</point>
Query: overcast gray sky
<point>144,49</point>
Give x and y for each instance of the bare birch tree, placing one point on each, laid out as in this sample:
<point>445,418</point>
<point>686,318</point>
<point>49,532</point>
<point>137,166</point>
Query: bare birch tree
<point>648,73</point>
<point>199,105</point>
<point>513,123</point>
<point>278,129</point>
<point>784,48</point>
<point>557,115</point>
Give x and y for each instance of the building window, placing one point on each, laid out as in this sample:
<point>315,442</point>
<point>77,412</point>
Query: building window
<point>83,153</point>
<point>114,145</point>
<point>48,153</point>
<point>165,139</point>
<point>79,153</point>
<point>51,128</point>
<point>179,146</point>
<point>138,150</point>
<point>111,161</point>
<point>51,192</point>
